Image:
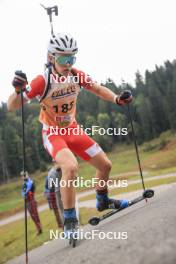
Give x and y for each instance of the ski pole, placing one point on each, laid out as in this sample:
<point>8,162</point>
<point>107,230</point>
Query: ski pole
<point>24,172</point>
<point>136,147</point>
<point>50,10</point>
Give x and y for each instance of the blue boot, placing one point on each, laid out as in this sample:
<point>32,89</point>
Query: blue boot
<point>70,223</point>
<point>104,202</point>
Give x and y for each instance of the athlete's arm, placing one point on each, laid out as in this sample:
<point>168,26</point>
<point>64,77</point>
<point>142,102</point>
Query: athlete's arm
<point>14,102</point>
<point>125,97</point>
<point>103,92</point>
<point>36,88</point>
<point>99,90</point>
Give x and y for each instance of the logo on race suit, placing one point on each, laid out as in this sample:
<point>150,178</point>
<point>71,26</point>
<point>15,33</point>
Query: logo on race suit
<point>70,90</point>
<point>62,119</point>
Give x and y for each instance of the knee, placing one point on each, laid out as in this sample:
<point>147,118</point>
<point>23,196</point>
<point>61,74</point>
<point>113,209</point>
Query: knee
<point>70,171</point>
<point>106,166</point>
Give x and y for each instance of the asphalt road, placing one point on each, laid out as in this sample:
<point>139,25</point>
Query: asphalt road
<point>150,230</point>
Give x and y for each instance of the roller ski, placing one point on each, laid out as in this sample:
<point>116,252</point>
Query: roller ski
<point>116,205</point>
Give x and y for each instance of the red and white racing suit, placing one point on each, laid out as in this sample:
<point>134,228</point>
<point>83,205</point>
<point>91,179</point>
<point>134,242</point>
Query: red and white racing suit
<point>58,110</point>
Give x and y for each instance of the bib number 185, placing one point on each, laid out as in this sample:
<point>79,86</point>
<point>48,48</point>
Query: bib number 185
<point>64,108</point>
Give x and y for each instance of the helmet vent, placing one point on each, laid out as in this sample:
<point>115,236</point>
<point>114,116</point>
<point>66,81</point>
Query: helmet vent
<point>71,42</point>
<point>63,40</point>
<point>59,49</point>
<point>57,42</point>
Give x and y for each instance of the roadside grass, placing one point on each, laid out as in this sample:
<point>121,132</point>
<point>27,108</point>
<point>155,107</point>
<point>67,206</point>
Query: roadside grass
<point>157,157</point>
<point>12,236</point>
<point>162,171</point>
<point>10,205</point>
<point>12,242</point>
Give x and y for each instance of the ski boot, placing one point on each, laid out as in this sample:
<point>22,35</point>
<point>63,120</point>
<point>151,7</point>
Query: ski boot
<point>104,202</point>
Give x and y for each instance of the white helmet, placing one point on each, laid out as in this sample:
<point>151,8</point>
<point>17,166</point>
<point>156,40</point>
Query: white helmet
<point>62,43</point>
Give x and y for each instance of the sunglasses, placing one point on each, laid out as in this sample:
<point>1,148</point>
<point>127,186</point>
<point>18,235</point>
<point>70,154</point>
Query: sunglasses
<point>67,59</point>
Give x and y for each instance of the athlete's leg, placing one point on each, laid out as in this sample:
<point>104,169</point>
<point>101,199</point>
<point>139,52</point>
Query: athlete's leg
<point>69,166</point>
<point>58,148</point>
<point>64,158</point>
<point>87,149</point>
<point>32,208</point>
<point>103,167</point>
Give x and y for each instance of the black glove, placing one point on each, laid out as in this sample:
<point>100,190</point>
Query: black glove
<point>124,98</point>
<point>20,81</point>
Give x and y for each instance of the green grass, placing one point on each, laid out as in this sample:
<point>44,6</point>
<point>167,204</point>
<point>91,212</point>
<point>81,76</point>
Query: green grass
<point>8,205</point>
<point>12,236</point>
<point>12,242</point>
<point>155,161</point>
